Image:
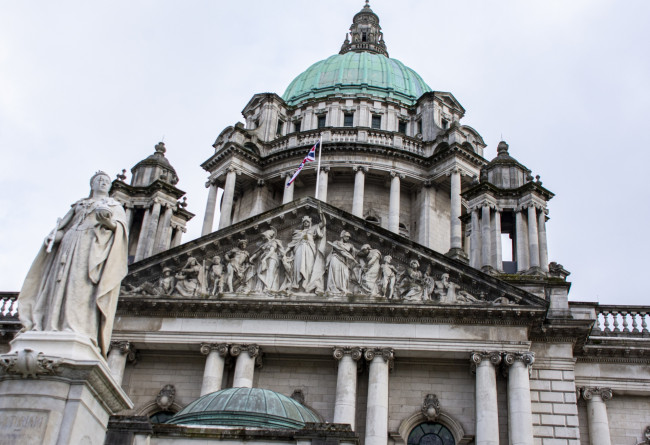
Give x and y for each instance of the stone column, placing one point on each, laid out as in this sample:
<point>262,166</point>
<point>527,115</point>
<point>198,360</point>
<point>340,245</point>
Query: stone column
<point>247,356</point>
<point>210,207</point>
<point>359,185</point>
<point>142,238</point>
<point>497,255</point>
<point>345,408</point>
<point>214,363</point>
<point>394,203</point>
<point>258,203</point>
<point>543,246</point>
<point>426,227</point>
<point>487,411</point>
<point>377,408</point>
<point>120,352</point>
<point>151,228</point>
<point>456,229</point>
<point>176,241</point>
<point>520,417</point>
<point>475,241</point>
<point>597,415</point>
<point>288,191</point>
<point>228,197</point>
<point>533,236</point>
<point>164,229</point>
<point>128,208</point>
<point>486,239</point>
<point>322,185</point>
<point>522,248</point>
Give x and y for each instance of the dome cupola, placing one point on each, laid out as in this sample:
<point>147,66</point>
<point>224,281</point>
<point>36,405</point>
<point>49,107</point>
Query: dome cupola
<point>365,34</point>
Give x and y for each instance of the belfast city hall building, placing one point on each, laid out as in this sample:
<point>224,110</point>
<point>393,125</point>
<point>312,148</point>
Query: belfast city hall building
<point>397,291</point>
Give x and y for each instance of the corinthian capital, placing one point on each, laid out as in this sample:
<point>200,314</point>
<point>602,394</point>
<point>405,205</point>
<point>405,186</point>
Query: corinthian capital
<point>354,352</point>
<point>604,393</point>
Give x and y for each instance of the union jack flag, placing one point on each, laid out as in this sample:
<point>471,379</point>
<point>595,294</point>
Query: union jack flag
<point>311,156</point>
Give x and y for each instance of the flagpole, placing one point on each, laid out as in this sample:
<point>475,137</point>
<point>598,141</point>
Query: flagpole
<point>320,149</point>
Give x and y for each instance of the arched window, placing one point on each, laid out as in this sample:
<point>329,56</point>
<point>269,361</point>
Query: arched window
<point>161,416</point>
<point>431,433</point>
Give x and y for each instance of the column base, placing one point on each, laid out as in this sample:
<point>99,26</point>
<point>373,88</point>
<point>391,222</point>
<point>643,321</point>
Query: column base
<point>55,387</point>
<point>458,254</point>
<point>535,270</point>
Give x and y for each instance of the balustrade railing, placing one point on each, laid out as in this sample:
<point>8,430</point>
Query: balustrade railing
<point>624,321</point>
<point>378,137</point>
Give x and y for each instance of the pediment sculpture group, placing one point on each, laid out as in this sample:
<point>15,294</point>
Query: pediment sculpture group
<point>308,264</point>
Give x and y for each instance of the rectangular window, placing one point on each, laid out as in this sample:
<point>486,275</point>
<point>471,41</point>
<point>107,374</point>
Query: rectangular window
<point>420,126</point>
<point>321,121</point>
<point>445,124</point>
<point>376,121</point>
<point>348,119</point>
<point>402,127</point>
<point>296,125</point>
<point>280,128</point>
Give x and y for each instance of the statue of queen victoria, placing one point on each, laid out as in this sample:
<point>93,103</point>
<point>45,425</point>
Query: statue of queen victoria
<point>74,282</point>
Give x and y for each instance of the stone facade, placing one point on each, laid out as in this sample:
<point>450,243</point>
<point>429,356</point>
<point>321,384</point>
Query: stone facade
<point>382,306</point>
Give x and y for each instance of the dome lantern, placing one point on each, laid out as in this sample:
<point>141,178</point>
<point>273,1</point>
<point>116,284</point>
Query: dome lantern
<point>365,34</point>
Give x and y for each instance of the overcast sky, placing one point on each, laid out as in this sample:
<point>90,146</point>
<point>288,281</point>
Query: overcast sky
<point>95,85</point>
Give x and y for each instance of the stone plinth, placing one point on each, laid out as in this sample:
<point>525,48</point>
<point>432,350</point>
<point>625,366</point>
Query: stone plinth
<point>56,388</point>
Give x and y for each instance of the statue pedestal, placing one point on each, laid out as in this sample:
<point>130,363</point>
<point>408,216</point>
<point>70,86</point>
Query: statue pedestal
<point>56,388</point>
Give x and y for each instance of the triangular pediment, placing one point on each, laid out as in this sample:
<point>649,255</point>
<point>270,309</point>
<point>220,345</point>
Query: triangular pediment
<point>301,252</point>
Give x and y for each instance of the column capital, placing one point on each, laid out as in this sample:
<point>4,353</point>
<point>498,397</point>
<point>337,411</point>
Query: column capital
<point>386,353</point>
<point>221,348</point>
<point>477,358</point>
<point>589,392</point>
<point>124,347</point>
<point>527,357</point>
<point>394,174</point>
<point>355,352</point>
<point>428,183</point>
<point>252,349</point>
<point>233,169</point>
<point>360,169</point>
<point>325,169</point>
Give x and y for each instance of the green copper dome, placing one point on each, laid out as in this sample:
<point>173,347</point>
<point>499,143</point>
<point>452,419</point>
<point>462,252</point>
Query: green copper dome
<point>357,73</point>
<point>245,407</point>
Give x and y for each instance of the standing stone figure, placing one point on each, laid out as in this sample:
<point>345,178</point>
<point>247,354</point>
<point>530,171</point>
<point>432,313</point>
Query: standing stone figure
<point>239,269</point>
<point>74,281</point>
<point>308,244</point>
<point>270,257</point>
<point>216,275</point>
<point>388,277</point>
<point>339,263</point>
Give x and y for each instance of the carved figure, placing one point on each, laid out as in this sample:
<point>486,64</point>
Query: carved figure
<point>388,277</point>
<point>268,267</point>
<point>239,269</point>
<point>215,273</point>
<point>191,279</point>
<point>449,292</point>
<point>165,286</point>
<point>370,268</point>
<point>412,283</point>
<point>74,281</point>
<point>308,245</point>
<point>339,263</point>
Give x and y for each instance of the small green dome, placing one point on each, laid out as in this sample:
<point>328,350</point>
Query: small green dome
<point>357,73</point>
<point>245,407</point>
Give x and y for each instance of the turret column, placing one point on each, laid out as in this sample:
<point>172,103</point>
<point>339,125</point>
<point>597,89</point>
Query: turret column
<point>486,238</point>
<point>324,176</point>
<point>522,248</point>
<point>228,198</point>
<point>533,236</point>
<point>288,190</point>
<point>164,229</point>
<point>210,207</point>
<point>152,227</point>
<point>543,246</point>
<point>475,240</point>
<point>142,238</point>
<point>359,185</point>
<point>497,255</point>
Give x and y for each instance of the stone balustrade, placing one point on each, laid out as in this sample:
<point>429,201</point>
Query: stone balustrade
<point>624,321</point>
<point>347,134</point>
<point>8,306</point>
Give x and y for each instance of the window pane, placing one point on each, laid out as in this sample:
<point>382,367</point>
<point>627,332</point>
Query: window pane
<point>402,127</point>
<point>348,118</point>
<point>376,122</point>
<point>321,121</point>
<point>431,433</point>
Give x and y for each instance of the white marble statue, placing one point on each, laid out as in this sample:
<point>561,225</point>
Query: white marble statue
<point>413,284</point>
<point>340,262</point>
<point>388,278</point>
<point>216,275</point>
<point>308,245</point>
<point>74,282</point>
<point>450,293</point>
<point>191,279</point>
<point>239,269</point>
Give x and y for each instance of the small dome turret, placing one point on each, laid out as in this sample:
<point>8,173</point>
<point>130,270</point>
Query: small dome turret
<point>153,168</point>
<point>504,171</point>
<point>365,34</point>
